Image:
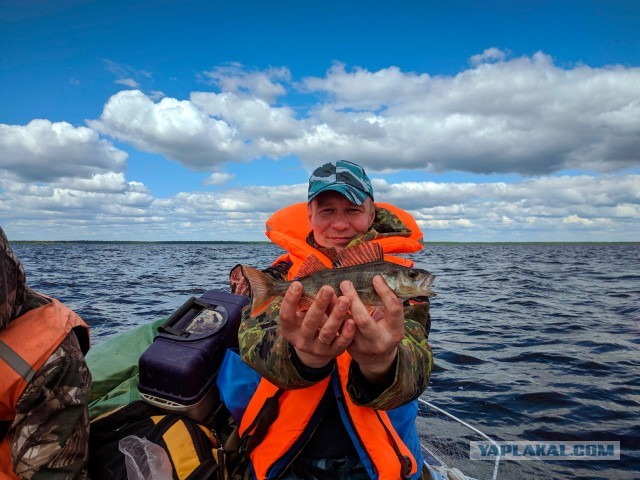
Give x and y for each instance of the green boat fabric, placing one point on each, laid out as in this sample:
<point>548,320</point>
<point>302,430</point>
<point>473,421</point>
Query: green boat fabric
<point>114,368</point>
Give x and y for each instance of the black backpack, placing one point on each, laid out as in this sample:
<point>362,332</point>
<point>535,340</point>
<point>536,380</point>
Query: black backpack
<point>181,410</point>
<point>194,451</point>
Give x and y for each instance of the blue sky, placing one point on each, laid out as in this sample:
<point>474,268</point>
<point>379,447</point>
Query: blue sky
<point>170,120</point>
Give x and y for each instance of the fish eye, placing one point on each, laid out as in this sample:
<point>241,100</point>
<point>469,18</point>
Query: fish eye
<point>413,274</point>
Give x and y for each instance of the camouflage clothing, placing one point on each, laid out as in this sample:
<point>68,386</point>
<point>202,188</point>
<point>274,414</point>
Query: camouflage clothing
<point>50,434</point>
<point>48,437</point>
<point>269,354</point>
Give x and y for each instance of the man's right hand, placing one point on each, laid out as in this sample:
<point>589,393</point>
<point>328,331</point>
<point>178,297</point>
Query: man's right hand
<point>321,333</point>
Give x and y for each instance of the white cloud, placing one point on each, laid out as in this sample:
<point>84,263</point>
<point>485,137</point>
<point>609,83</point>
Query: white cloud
<point>236,79</point>
<point>176,129</point>
<point>524,116</point>
<point>253,119</point>
<point>44,151</point>
<point>561,208</point>
<point>125,74</point>
<point>128,82</point>
<point>489,55</point>
<point>218,178</point>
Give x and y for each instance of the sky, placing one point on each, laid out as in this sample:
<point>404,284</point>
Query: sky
<point>176,120</point>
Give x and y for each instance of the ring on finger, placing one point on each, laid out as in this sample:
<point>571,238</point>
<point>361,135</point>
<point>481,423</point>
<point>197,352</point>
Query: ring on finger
<point>322,341</point>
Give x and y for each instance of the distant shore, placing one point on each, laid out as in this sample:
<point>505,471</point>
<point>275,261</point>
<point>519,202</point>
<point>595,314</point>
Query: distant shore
<point>243,242</point>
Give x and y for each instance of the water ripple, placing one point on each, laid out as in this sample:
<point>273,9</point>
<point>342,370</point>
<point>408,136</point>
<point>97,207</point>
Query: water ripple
<point>531,341</point>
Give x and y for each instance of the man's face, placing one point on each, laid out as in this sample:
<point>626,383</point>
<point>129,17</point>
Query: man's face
<point>336,221</point>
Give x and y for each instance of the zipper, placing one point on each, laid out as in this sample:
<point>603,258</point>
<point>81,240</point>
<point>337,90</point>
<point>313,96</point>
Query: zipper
<point>200,441</point>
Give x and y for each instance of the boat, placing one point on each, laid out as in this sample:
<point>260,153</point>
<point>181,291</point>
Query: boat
<point>444,437</point>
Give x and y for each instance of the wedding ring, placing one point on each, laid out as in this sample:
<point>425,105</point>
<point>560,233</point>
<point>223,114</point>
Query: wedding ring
<point>322,341</point>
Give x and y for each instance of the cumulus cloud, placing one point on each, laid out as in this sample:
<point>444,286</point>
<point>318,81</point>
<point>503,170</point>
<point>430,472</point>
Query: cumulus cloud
<point>567,208</point>
<point>44,151</point>
<point>174,128</point>
<point>515,210</point>
<point>524,115</point>
<point>253,119</point>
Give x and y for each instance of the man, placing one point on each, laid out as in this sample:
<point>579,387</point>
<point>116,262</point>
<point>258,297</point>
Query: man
<point>345,379</point>
<point>44,381</point>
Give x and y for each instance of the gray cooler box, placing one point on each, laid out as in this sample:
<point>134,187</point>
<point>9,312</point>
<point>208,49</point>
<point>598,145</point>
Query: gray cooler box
<point>178,370</point>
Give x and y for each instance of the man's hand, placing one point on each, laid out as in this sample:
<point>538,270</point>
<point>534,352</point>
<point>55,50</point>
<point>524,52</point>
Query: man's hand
<point>321,333</point>
<point>375,344</point>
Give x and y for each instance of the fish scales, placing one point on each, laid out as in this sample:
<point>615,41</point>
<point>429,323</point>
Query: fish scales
<point>358,264</point>
<point>361,276</point>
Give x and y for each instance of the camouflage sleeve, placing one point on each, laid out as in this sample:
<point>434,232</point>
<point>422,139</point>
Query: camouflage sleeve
<point>417,309</point>
<point>260,345</point>
<point>413,369</point>
<point>267,352</point>
<point>50,434</point>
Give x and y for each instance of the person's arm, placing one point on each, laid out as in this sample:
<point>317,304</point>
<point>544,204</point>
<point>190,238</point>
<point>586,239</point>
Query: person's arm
<point>283,344</point>
<point>266,351</point>
<point>410,374</point>
<point>50,434</point>
<point>391,358</point>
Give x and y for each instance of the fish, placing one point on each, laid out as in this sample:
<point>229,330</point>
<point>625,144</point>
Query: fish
<point>358,264</point>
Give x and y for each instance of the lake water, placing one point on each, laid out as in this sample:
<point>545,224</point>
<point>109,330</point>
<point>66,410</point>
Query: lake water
<point>536,342</point>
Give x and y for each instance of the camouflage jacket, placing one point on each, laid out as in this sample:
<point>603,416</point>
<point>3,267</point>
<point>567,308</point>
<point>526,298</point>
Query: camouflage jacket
<point>50,434</point>
<point>269,354</point>
<point>48,438</point>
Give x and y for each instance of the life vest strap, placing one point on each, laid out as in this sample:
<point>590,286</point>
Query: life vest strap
<point>4,428</point>
<point>257,431</point>
<point>16,362</point>
<point>406,464</point>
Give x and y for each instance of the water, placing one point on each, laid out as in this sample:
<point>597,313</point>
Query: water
<point>531,341</point>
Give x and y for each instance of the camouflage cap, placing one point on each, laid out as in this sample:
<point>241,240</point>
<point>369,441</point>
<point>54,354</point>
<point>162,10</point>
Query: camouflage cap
<point>342,176</point>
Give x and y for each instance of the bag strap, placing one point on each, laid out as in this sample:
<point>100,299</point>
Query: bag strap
<point>208,469</point>
<point>256,432</point>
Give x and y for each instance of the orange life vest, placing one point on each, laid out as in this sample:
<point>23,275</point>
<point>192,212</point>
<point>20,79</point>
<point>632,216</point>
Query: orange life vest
<point>25,345</point>
<point>390,456</point>
<point>289,227</point>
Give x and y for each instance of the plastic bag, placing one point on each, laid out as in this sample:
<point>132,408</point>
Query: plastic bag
<point>145,460</point>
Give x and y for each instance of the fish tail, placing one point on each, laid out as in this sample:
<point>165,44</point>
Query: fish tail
<point>260,284</point>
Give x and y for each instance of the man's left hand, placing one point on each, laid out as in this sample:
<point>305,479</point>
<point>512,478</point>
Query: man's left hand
<point>375,345</point>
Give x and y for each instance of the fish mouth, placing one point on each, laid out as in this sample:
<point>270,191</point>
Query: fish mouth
<point>425,285</point>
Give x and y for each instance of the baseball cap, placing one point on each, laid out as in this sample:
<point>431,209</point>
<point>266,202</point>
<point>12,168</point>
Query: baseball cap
<point>344,177</point>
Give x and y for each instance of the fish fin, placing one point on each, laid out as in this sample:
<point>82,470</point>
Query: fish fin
<point>260,285</point>
<point>311,265</point>
<point>358,254</point>
<point>305,303</point>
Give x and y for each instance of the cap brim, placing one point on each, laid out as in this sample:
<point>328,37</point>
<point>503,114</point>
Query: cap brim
<point>353,194</point>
